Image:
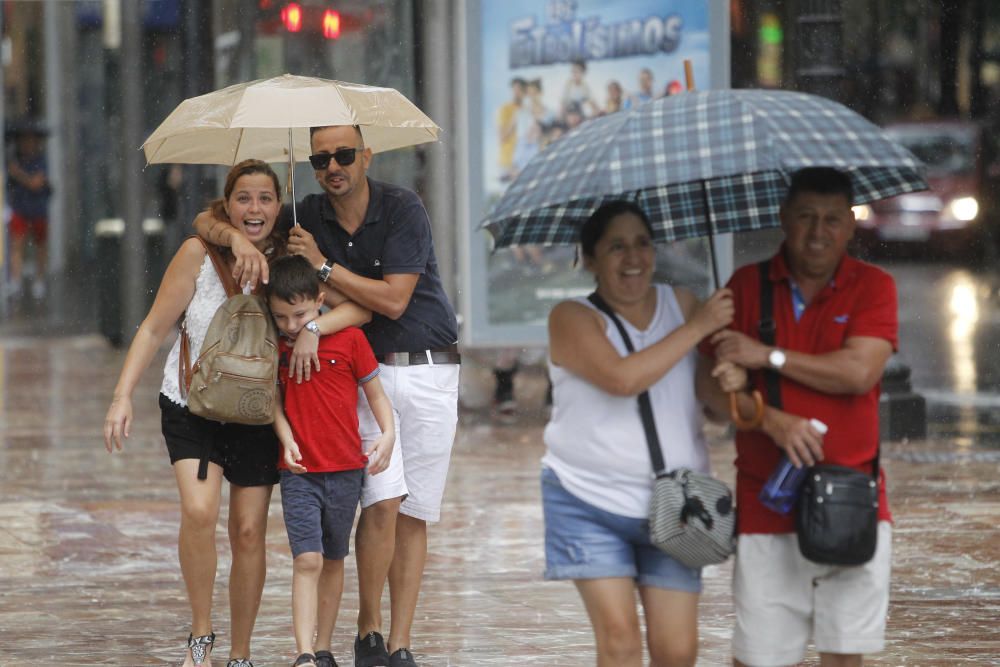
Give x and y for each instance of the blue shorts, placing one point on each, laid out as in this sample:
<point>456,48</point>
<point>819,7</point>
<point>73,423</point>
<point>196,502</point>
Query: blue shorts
<point>584,542</point>
<point>319,509</point>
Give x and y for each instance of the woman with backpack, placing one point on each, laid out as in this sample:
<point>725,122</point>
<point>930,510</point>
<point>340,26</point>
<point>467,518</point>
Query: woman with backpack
<point>202,451</point>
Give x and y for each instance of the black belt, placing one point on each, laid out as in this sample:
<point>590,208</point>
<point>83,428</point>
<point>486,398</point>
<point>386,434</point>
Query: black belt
<point>442,355</point>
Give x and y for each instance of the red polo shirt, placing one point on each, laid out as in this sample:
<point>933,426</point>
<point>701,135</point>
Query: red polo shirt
<point>859,301</point>
<point>323,412</point>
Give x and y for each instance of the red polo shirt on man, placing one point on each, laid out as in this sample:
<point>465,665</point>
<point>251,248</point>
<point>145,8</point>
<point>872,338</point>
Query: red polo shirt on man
<point>323,411</point>
<point>859,301</point>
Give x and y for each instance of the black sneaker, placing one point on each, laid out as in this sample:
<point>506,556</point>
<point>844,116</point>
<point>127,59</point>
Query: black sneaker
<point>325,659</point>
<point>402,658</point>
<point>370,651</point>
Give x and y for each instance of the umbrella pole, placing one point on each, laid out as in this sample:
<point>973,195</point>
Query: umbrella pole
<point>291,176</point>
<point>711,238</point>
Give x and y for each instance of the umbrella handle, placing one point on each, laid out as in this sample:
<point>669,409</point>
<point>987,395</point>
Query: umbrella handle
<point>734,412</point>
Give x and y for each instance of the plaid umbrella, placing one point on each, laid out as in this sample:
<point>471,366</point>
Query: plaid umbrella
<point>699,163</point>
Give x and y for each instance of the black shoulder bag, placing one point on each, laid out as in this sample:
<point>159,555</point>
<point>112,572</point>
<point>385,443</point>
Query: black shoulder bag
<point>836,517</point>
<point>691,514</point>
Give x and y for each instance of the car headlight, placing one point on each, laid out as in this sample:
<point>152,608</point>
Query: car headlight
<point>862,212</point>
<point>963,209</point>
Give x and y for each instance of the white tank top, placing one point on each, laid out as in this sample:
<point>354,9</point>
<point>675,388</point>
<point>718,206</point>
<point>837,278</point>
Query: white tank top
<point>595,442</point>
<point>209,294</point>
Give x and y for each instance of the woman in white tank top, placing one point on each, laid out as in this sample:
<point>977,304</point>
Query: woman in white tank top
<point>597,474</point>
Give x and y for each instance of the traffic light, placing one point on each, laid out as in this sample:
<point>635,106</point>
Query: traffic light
<point>279,16</point>
<point>291,17</point>
<point>331,24</point>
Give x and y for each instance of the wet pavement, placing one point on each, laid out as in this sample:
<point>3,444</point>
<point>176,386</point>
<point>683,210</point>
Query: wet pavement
<point>88,564</point>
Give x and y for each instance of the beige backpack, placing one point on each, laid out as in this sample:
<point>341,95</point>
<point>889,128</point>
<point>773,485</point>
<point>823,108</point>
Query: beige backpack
<point>233,379</point>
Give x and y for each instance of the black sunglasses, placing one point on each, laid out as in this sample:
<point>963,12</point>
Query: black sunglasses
<point>342,156</point>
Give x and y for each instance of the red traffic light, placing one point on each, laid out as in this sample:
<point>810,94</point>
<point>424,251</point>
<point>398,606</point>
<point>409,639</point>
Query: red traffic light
<point>291,16</point>
<point>331,24</point>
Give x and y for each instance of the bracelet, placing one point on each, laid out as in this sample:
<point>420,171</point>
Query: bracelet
<point>324,271</point>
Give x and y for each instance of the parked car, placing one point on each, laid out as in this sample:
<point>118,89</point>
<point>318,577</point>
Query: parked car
<point>958,215</point>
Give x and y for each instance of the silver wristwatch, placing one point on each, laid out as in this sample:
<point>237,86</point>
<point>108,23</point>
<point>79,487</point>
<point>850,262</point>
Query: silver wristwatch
<point>324,271</point>
<point>313,327</point>
<point>776,358</point>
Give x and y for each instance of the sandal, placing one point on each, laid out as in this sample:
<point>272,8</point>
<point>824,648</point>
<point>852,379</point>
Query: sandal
<point>239,662</point>
<point>200,647</point>
<point>305,660</point>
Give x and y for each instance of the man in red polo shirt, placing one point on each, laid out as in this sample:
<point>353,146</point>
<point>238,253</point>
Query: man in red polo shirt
<point>836,328</point>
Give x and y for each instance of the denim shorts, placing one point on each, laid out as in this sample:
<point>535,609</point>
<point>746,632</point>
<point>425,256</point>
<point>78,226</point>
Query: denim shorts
<point>319,509</point>
<point>584,542</point>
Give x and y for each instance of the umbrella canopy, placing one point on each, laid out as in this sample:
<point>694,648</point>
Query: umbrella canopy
<point>698,163</point>
<point>269,118</point>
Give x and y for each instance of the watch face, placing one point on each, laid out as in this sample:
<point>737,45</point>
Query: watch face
<point>776,358</point>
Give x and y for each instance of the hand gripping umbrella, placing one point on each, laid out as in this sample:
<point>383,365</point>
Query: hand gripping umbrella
<point>269,120</point>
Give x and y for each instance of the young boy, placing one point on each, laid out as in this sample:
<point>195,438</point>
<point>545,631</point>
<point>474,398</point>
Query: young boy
<point>323,465</point>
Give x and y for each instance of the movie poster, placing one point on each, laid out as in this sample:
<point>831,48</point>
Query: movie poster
<point>543,69</point>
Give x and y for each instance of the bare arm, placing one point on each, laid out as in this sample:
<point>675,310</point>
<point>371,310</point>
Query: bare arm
<point>175,293</point>
<point>381,449</point>
<point>853,369</point>
<point>343,314</point>
<point>250,265</point>
<point>389,296</point>
<point>289,448</point>
<point>577,341</point>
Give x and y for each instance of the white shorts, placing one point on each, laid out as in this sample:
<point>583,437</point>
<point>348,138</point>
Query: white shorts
<point>783,600</point>
<point>425,404</point>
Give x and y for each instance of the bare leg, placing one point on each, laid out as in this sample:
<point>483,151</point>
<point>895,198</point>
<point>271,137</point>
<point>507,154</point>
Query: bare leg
<point>671,626</point>
<point>405,577</point>
<point>200,500</point>
<point>306,569</point>
<point>373,548</point>
<point>17,257</point>
<point>248,507</point>
<point>610,604</point>
<point>331,588</point>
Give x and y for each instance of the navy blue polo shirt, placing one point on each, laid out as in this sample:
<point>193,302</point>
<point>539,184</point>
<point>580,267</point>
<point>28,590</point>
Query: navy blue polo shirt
<point>394,238</point>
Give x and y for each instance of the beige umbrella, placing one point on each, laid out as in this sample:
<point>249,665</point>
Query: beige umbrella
<point>269,120</point>
<point>252,120</point>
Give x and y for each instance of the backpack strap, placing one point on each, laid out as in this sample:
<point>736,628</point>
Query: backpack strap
<point>185,371</point>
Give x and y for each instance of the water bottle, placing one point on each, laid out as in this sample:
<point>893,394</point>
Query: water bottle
<point>782,488</point>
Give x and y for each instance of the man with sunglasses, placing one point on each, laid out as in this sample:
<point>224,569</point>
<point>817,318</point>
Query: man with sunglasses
<point>372,242</point>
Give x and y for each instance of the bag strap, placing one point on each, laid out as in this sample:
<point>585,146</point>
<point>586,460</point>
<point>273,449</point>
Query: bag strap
<point>184,369</point>
<point>766,330</point>
<point>645,405</point>
<point>225,275</point>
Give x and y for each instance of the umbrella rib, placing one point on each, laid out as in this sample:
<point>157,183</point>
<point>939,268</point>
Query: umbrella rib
<point>239,144</point>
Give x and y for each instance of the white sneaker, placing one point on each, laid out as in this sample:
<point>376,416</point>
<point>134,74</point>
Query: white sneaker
<point>38,289</point>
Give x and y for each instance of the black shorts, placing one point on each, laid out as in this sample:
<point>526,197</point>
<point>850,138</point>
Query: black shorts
<point>248,455</point>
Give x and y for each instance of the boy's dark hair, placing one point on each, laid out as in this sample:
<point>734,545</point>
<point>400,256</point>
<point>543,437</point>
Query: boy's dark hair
<point>292,278</point>
<point>822,181</point>
<point>597,223</point>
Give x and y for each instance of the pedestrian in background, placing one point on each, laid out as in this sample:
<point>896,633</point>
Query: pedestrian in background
<point>371,241</point>
<point>597,476</point>
<point>836,326</point>
<point>28,192</point>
